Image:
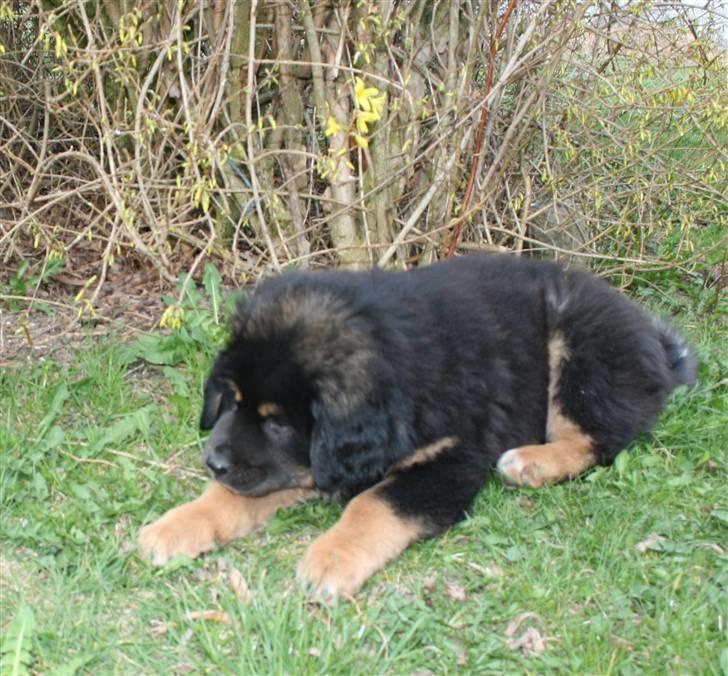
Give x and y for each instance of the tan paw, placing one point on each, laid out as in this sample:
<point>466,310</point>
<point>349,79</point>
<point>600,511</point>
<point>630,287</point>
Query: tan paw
<point>183,531</point>
<point>517,470</point>
<point>332,568</point>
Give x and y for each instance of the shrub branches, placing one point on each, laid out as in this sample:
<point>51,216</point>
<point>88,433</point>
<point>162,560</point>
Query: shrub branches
<point>265,133</point>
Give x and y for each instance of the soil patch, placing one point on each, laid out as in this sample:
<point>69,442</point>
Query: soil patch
<point>52,322</point>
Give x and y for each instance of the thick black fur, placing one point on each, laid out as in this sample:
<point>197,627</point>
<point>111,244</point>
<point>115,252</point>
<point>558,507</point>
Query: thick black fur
<point>366,368</point>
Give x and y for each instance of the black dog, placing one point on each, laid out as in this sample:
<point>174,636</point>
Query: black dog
<point>403,390</point>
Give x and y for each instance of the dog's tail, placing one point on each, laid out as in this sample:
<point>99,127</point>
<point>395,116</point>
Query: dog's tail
<point>681,357</point>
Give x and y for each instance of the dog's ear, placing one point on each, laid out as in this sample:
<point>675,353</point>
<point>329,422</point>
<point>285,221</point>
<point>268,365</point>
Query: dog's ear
<point>212,404</point>
<point>353,446</point>
<point>348,449</point>
<point>220,396</point>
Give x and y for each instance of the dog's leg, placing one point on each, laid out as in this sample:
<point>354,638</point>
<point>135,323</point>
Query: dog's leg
<point>368,535</point>
<point>213,519</point>
<point>569,451</point>
<point>420,498</point>
<point>550,463</point>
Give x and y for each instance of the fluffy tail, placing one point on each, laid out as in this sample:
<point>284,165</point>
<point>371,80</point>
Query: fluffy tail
<point>680,355</point>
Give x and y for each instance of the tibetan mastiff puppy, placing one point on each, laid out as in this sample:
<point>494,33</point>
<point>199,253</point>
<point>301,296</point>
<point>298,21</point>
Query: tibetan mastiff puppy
<point>402,391</point>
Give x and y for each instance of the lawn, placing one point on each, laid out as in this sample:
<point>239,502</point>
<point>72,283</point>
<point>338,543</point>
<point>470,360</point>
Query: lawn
<point>623,571</point>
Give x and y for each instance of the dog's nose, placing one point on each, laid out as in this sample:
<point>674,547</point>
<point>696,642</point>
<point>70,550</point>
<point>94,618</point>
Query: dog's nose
<point>219,461</point>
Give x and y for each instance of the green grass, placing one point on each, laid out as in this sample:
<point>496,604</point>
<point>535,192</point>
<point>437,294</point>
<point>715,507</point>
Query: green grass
<point>93,450</point>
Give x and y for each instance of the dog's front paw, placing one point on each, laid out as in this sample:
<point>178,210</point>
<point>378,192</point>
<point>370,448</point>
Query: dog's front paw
<point>333,568</point>
<point>181,531</point>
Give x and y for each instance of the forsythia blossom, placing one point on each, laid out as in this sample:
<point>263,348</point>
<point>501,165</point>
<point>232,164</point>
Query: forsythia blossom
<point>172,318</point>
<point>332,126</point>
<point>370,104</point>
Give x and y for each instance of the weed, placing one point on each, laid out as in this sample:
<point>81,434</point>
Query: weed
<point>24,282</point>
<point>15,651</point>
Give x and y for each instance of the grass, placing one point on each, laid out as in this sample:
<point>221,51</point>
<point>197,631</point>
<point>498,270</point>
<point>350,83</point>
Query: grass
<point>94,449</point>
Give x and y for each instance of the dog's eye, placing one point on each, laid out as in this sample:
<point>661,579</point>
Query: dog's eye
<point>277,429</point>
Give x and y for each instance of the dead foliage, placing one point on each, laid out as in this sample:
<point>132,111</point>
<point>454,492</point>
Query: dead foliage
<point>264,134</point>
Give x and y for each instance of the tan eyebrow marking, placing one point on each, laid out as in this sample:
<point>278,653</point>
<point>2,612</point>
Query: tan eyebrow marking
<point>235,389</point>
<point>267,408</point>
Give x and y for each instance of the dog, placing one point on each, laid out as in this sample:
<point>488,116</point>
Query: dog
<point>402,391</point>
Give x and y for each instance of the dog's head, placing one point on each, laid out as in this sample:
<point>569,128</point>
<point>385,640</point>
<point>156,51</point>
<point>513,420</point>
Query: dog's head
<point>255,405</point>
<point>304,394</point>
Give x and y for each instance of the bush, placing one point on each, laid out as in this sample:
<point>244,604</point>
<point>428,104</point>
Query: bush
<point>360,133</point>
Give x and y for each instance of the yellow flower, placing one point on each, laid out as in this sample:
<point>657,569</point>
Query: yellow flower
<point>363,118</point>
<point>368,99</point>
<point>173,317</point>
<point>361,141</point>
<point>377,105</point>
<point>369,102</point>
<point>332,126</point>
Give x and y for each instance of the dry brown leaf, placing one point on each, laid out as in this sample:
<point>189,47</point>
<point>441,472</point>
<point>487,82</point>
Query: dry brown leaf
<point>515,623</point>
<point>489,570</point>
<point>208,615</point>
<point>159,628</point>
<point>429,583</point>
<point>239,585</point>
<point>530,642</point>
<point>649,542</point>
<point>455,591</point>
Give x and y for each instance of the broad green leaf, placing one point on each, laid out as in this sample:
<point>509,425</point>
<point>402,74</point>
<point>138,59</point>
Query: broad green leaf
<point>17,643</point>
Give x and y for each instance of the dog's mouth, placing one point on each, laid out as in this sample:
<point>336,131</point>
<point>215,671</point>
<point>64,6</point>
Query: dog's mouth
<point>255,482</point>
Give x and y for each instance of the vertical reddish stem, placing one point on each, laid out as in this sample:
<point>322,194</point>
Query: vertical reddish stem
<point>457,228</point>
